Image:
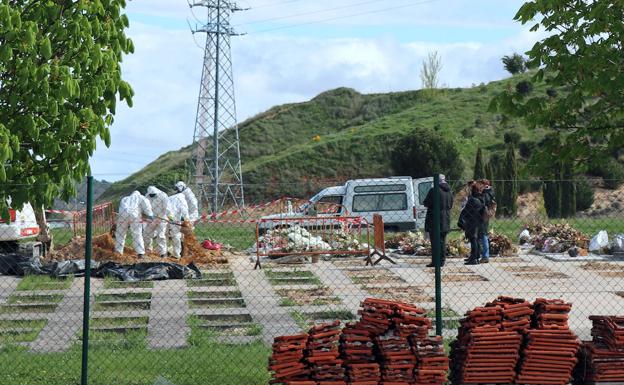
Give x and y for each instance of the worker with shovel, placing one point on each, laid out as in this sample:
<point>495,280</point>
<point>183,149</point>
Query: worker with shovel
<point>157,229</point>
<point>131,210</point>
<point>178,212</point>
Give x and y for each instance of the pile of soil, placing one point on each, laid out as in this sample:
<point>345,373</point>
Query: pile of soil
<point>104,251</point>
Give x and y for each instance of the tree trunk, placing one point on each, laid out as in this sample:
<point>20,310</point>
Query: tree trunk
<point>45,235</point>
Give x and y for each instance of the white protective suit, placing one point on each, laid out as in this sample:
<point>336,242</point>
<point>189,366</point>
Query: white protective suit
<point>131,210</point>
<point>157,229</point>
<point>191,201</point>
<point>178,213</point>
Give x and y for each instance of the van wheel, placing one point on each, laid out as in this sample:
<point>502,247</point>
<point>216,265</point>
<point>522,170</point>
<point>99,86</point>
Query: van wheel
<point>391,229</point>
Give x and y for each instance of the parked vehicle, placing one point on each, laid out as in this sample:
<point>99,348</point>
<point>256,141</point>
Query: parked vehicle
<point>399,200</point>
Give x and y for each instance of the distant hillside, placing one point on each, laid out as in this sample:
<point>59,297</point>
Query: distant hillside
<point>80,201</point>
<point>357,133</point>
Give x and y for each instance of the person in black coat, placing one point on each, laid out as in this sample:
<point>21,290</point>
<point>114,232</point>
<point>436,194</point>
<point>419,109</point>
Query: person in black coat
<point>487,198</point>
<point>446,204</point>
<point>471,221</point>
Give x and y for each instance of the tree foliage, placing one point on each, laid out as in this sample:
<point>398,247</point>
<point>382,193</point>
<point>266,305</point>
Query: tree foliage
<point>430,71</point>
<point>479,168</point>
<point>423,153</point>
<point>508,202</point>
<point>60,78</point>
<point>514,64</point>
<point>582,58</point>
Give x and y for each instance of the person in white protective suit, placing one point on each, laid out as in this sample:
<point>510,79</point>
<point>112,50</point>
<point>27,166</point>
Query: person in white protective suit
<point>157,229</point>
<point>178,213</point>
<point>191,201</point>
<point>131,211</point>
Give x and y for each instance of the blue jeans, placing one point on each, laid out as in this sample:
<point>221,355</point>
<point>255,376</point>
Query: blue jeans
<point>486,246</point>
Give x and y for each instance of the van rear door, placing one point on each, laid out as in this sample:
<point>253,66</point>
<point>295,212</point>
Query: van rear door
<point>421,188</point>
<point>393,199</point>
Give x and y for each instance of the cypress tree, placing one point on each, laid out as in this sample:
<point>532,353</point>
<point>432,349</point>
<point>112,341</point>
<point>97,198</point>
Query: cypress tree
<point>489,173</point>
<point>568,191</point>
<point>552,193</point>
<point>479,168</point>
<point>510,182</point>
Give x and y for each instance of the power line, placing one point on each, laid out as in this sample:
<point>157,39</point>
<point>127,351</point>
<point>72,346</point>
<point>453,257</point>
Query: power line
<point>309,13</point>
<point>381,10</point>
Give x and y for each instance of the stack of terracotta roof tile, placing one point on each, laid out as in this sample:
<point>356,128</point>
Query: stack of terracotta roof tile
<point>356,345</point>
<point>364,374</point>
<point>516,313</point>
<point>483,353</point>
<point>398,361</point>
<point>431,361</point>
<point>551,348</point>
<point>376,315</point>
<point>609,330</point>
<point>286,362</point>
<point>549,357</point>
<point>604,356</point>
<point>551,313</point>
<point>322,354</point>
<point>410,320</point>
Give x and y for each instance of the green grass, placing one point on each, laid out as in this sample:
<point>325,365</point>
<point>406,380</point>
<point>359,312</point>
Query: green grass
<point>305,320</point>
<point>288,302</point>
<point>121,306</point>
<point>449,324</point>
<point>118,322</point>
<point>213,279</point>
<point>214,294</point>
<point>300,277</point>
<point>131,339</point>
<point>240,236</point>
<point>203,363</point>
<point>9,332</point>
<point>47,308</point>
<point>123,297</point>
<point>201,329</point>
<point>112,283</point>
<point>44,282</point>
<point>34,298</point>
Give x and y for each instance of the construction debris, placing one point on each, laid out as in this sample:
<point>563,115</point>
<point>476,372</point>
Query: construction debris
<point>389,343</point>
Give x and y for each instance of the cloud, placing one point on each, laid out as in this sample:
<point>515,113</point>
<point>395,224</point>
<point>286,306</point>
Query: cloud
<point>269,70</point>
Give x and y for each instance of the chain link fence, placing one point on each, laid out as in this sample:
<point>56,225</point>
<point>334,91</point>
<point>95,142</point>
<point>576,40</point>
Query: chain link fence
<point>178,297</point>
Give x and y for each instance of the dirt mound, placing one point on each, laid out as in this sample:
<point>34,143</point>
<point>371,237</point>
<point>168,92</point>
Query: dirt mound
<point>104,251</point>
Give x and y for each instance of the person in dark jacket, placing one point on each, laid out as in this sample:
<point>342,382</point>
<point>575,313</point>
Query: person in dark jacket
<point>446,204</point>
<point>487,198</point>
<point>471,221</point>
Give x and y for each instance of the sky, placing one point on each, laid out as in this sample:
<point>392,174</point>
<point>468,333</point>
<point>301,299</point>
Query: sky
<point>292,50</point>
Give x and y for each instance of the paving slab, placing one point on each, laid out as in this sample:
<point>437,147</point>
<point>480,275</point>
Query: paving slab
<point>262,301</point>
<point>7,287</point>
<point>167,327</point>
<point>64,325</point>
<point>341,285</point>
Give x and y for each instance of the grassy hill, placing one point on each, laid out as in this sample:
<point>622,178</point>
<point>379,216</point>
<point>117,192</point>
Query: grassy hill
<point>357,134</point>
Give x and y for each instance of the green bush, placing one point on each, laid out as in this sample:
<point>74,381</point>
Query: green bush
<point>512,138</point>
<point>423,152</point>
<point>611,171</point>
<point>584,194</point>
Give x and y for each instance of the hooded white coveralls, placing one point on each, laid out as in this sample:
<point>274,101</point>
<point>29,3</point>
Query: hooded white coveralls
<point>158,227</point>
<point>178,213</point>
<point>191,201</point>
<point>131,209</point>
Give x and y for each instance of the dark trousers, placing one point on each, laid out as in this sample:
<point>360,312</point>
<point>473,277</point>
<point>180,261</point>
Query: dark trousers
<point>443,235</point>
<point>475,250</point>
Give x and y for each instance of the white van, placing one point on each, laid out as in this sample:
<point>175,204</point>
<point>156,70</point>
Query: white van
<point>399,200</point>
<point>23,225</point>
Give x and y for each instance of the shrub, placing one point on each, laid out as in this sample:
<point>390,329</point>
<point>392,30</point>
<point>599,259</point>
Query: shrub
<point>611,171</point>
<point>514,64</point>
<point>423,152</point>
<point>512,138</point>
<point>584,194</point>
<point>526,148</point>
<point>468,132</point>
<point>524,88</point>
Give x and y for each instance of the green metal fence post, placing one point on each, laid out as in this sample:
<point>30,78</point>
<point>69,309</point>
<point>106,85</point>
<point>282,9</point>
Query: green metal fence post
<point>437,252</point>
<point>87,284</point>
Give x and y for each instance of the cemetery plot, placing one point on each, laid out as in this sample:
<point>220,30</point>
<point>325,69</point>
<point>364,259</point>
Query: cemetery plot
<point>412,294</point>
<point>44,282</point>
<point>305,319</point>
<point>213,279</point>
<point>302,297</point>
<point>16,331</point>
<point>215,299</point>
<point>122,301</point>
<point>373,276</point>
<point>207,326</point>
<point>292,277</point>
